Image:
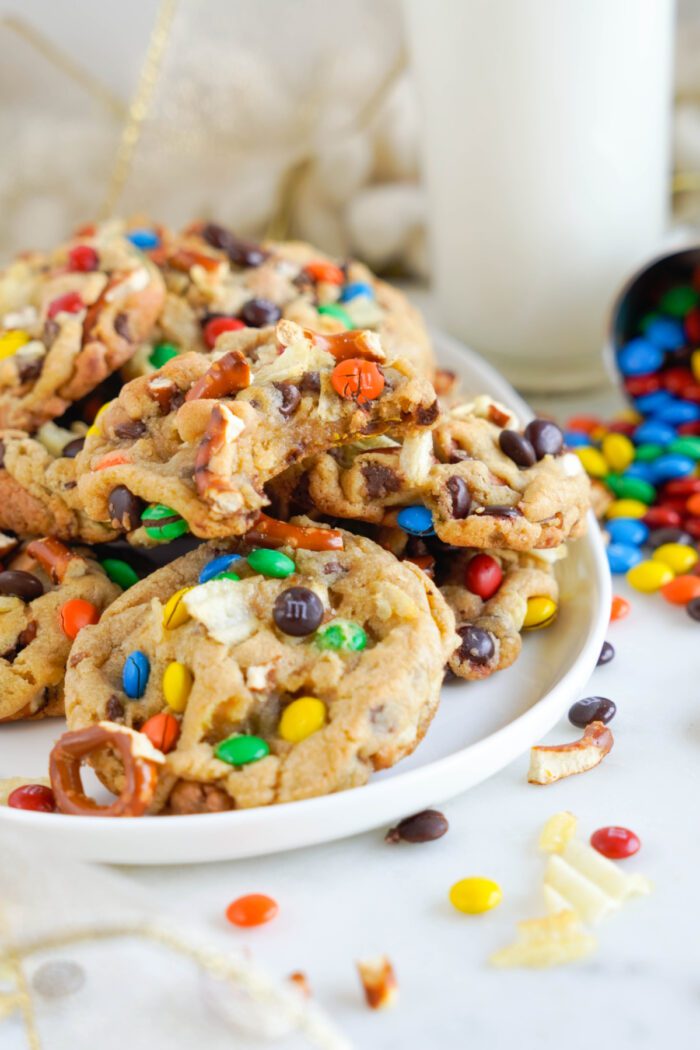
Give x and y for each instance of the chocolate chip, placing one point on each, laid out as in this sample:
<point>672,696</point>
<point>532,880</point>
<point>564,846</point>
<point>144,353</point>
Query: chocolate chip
<point>310,383</point>
<point>257,313</point>
<point>71,450</point>
<point>379,480</point>
<point>458,455</point>
<point>607,653</point>
<point>29,368</point>
<point>545,437</point>
<point>517,447</point>
<point>132,429</point>
<point>477,645</point>
<point>460,497</point>
<point>23,639</point>
<point>121,326</point>
<point>20,584</point>
<point>298,611</point>
<point>51,329</point>
<point>290,398</point>
<point>497,511</point>
<point>2,454</point>
<point>189,796</point>
<point>592,709</point>
<point>239,251</point>
<point>426,826</point>
<point>426,416</point>
<point>125,508</point>
<point>115,709</point>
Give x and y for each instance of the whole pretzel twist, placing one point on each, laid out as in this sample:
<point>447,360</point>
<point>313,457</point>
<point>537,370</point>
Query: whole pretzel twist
<point>141,771</point>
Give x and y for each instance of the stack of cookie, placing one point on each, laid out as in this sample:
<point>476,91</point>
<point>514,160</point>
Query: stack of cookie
<point>252,442</point>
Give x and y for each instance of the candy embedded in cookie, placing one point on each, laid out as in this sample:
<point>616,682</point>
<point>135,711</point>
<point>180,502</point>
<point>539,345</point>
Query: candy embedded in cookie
<point>476,480</point>
<point>271,667</point>
<point>70,318</point>
<point>48,593</point>
<point>203,435</point>
<point>218,282</point>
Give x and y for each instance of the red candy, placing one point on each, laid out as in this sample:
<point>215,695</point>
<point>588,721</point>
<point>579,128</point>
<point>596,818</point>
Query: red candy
<point>70,303</point>
<point>214,328</point>
<point>326,272</point>
<point>692,325</point>
<point>583,424</point>
<point>692,526</point>
<point>680,487</point>
<point>615,843</point>
<point>76,614</point>
<point>661,518</point>
<point>83,259</point>
<point>691,429</point>
<point>693,505</point>
<point>676,378</point>
<point>638,386</point>
<point>37,797</point>
<point>483,576</point>
<point>252,910</point>
<point>691,393</point>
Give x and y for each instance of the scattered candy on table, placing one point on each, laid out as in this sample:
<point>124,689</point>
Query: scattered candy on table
<point>615,843</point>
<point>475,895</point>
<point>254,909</point>
<point>426,826</point>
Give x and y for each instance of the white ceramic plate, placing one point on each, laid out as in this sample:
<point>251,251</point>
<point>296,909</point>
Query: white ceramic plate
<point>479,728</point>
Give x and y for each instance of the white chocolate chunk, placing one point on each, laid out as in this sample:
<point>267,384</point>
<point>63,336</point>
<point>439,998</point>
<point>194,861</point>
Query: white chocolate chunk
<point>222,607</point>
<point>416,458</point>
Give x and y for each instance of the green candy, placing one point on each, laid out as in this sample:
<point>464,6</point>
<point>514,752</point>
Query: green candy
<point>158,528</point>
<point>630,488</point>
<point>333,310</point>
<point>647,453</point>
<point>271,563</point>
<point>241,750</point>
<point>341,634</point>
<point>686,446</point>
<point>161,353</point>
<point>226,576</point>
<point>647,320</point>
<point>120,572</point>
<point>679,300</point>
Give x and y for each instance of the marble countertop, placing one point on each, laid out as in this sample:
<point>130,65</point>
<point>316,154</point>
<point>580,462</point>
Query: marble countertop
<point>360,896</point>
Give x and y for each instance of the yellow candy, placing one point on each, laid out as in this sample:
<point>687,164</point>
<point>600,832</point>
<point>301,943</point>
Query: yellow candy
<point>92,430</point>
<point>649,576</point>
<point>626,508</point>
<point>302,718</point>
<point>618,451</point>
<point>540,613</point>
<point>177,683</point>
<point>175,613</point>
<point>593,461</point>
<point>695,364</point>
<point>679,557</point>
<point>629,415</point>
<point>101,410</point>
<point>10,342</point>
<point>475,895</point>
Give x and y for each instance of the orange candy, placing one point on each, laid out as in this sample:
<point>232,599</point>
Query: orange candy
<point>112,459</point>
<point>619,608</point>
<point>327,272</point>
<point>78,613</point>
<point>163,730</point>
<point>693,505</point>
<point>252,910</point>
<point>681,590</point>
<point>583,424</point>
<point>359,379</point>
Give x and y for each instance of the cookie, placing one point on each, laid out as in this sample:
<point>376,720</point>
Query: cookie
<point>216,280</point>
<point>266,670</point>
<point>484,482</point>
<point>68,319</point>
<point>202,437</point>
<point>47,592</point>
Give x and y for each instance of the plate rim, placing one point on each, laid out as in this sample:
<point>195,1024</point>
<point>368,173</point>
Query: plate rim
<point>358,809</point>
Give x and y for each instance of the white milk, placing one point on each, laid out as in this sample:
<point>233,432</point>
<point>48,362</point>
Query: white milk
<point>546,133</point>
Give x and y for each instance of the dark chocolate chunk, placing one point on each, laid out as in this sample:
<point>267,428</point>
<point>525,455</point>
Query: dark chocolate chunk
<point>131,429</point>
<point>460,497</point>
<point>517,447</point>
<point>545,437</point>
<point>290,398</point>
<point>121,326</point>
<point>239,251</point>
<point>426,826</point>
<point>125,508</point>
<point>20,584</point>
<point>379,480</point>
<point>71,450</point>
<point>477,645</point>
<point>257,313</point>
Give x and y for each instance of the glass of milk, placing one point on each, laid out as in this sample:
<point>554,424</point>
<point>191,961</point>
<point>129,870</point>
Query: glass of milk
<point>546,149</point>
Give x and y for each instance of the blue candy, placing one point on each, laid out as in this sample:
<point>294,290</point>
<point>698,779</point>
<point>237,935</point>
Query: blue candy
<point>639,357</point>
<point>630,532</point>
<point>652,432</point>
<point>135,674</point>
<point>642,471</point>
<point>416,520</point>
<point>221,564</point>
<point>355,289</point>
<point>574,439</point>
<point>677,412</point>
<point>671,466</point>
<point>653,404</point>
<point>622,557</point>
<point>666,333</point>
<point>143,239</point>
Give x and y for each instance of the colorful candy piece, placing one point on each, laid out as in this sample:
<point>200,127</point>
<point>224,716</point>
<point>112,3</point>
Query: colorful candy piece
<point>619,608</point>
<point>475,895</point>
<point>271,563</point>
<point>619,452</point>
<point>649,576</point>
<point>76,614</point>
<point>162,353</point>
<point>254,909</point>
<point>144,239</point>
<point>333,310</point>
<point>163,523</point>
<point>12,341</point>
<point>36,797</point>
<point>639,357</point>
<point>241,750</point>
<point>358,380</point>
<point>679,558</point>
<point>540,612</point>
<point>301,718</point>
<point>217,326</point>
<point>626,508</point>
<point>177,685</point>
<point>163,730</point>
<point>218,565</point>
<point>120,572</point>
<point>622,557</point>
<point>341,635</point>
<point>630,531</point>
<point>681,590</point>
<point>135,674</point>
<point>416,520</point>
<point>607,653</point>
<point>593,462</point>
<point>615,843</point>
<point>592,709</point>
<point>175,612</point>
<point>83,259</point>
<point>483,576</point>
